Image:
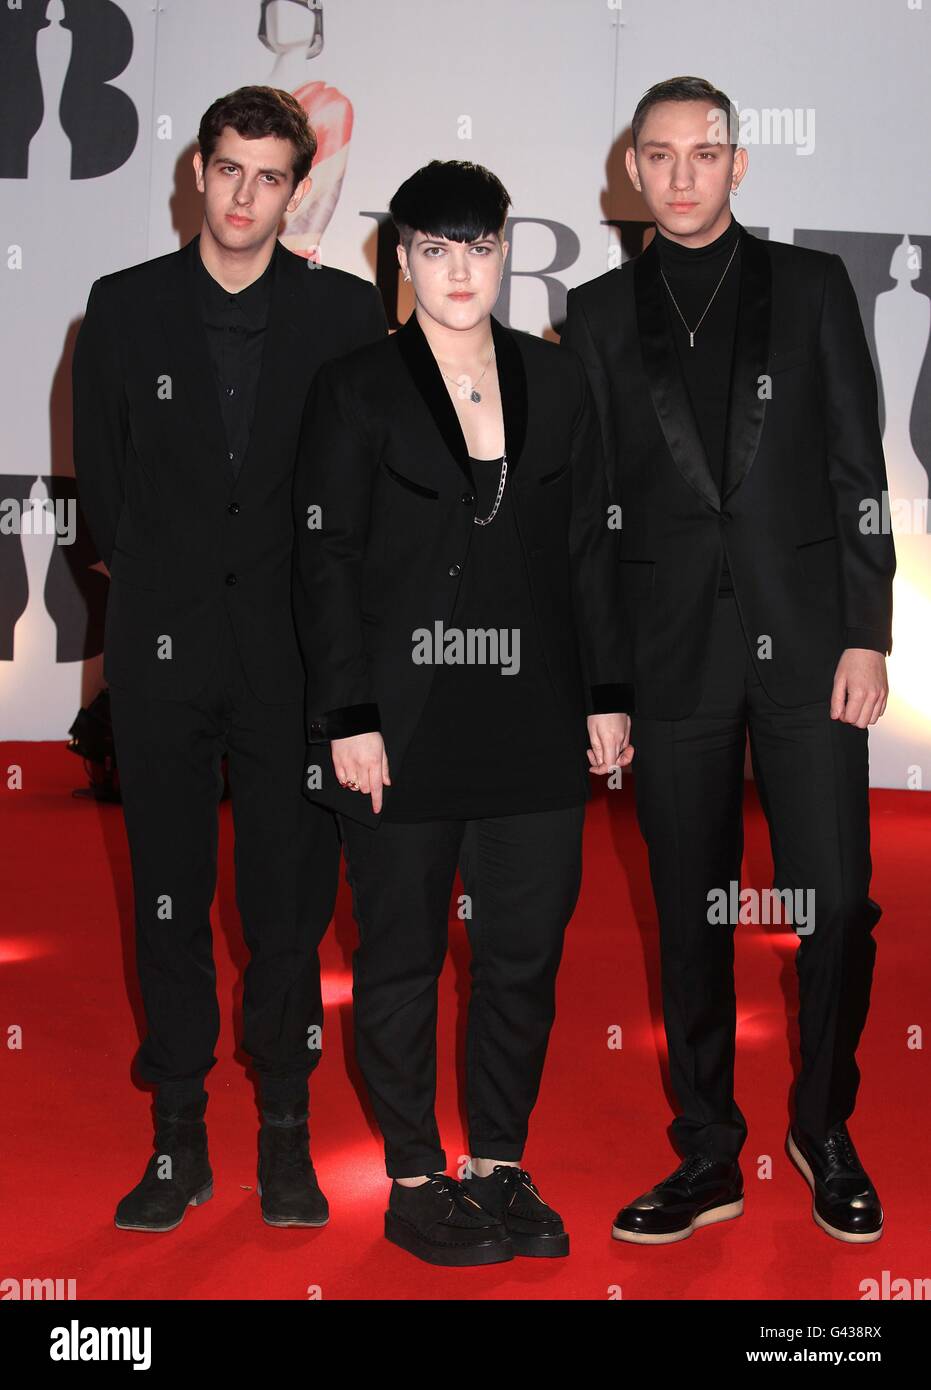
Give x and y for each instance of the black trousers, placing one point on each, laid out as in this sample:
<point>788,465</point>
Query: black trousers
<point>812,774</point>
<point>521,877</point>
<point>286,862</point>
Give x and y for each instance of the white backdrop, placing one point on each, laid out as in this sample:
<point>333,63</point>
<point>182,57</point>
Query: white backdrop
<point>98,115</point>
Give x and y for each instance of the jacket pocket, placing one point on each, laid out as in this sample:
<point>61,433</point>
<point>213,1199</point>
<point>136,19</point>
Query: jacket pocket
<point>818,560</point>
<point>556,473</point>
<point>789,357</point>
<point>409,483</point>
<point>135,570</point>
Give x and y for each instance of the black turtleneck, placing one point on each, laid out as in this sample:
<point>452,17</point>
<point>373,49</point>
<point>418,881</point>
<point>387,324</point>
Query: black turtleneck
<point>692,274</point>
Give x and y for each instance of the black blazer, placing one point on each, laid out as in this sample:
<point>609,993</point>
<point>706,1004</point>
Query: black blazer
<point>182,539</point>
<point>383,456</point>
<point>797,467</point>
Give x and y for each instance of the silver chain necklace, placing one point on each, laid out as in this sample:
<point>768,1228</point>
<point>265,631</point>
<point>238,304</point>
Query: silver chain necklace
<point>484,520</point>
<point>692,331</point>
<point>474,395</point>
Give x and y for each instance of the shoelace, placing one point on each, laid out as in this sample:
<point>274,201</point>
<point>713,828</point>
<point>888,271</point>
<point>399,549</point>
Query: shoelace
<point>443,1182</point>
<point>689,1169</point>
<point>454,1190</point>
<point>513,1177</point>
<point>840,1145</point>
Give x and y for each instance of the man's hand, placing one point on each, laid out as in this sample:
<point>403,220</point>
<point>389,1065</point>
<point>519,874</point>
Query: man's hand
<point>860,687</point>
<point>361,764</point>
<point>609,735</point>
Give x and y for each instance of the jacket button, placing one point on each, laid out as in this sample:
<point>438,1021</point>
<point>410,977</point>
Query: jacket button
<point>233,509</point>
<point>231,579</point>
<point>453,571</point>
<point>467,498</point>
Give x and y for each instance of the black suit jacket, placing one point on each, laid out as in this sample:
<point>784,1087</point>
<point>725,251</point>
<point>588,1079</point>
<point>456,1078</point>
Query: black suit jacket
<point>181,537</point>
<point>383,456</point>
<point>803,452</point>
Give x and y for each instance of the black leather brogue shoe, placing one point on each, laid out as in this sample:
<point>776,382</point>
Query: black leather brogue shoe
<point>702,1191</point>
<point>844,1201</point>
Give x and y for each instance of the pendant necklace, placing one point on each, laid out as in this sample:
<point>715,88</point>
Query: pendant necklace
<point>474,395</point>
<point>692,331</point>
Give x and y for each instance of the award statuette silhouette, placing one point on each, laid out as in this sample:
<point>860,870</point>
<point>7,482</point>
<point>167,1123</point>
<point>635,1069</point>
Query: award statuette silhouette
<point>35,700</point>
<point>35,637</point>
<point>50,148</point>
<point>902,325</point>
<point>293,31</point>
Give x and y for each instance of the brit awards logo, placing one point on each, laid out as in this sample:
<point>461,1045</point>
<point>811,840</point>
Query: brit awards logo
<point>63,118</point>
<point>58,60</point>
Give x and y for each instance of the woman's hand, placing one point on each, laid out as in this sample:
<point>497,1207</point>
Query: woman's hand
<point>361,764</point>
<point>609,735</point>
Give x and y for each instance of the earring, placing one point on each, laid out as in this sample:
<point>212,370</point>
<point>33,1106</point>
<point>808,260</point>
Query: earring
<point>734,189</point>
<point>407,275</point>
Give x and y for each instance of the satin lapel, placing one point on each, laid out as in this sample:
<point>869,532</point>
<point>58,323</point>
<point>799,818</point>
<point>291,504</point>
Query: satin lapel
<point>512,382</point>
<point>418,358</point>
<point>667,384</point>
<point>751,356</point>
<point>283,373</point>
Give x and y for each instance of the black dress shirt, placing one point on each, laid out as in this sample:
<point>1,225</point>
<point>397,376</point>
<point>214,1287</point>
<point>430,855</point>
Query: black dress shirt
<point>235,325</point>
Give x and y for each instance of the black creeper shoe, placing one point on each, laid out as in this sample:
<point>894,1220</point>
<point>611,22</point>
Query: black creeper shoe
<point>440,1223</point>
<point>510,1195</point>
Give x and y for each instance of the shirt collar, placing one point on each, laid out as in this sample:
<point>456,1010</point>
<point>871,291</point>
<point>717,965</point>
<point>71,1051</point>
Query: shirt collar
<point>250,306</point>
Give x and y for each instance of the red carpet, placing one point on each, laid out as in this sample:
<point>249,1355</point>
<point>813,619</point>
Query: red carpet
<point>77,1133</point>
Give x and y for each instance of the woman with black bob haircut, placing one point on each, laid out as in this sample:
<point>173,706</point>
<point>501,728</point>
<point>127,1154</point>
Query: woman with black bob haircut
<point>457,602</point>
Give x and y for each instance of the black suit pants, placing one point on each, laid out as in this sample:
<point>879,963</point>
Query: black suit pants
<point>813,779</point>
<point>286,863</point>
<point>521,875</point>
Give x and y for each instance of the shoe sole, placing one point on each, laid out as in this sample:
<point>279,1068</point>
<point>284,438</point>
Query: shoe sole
<point>849,1237</point>
<point>288,1220</point>
<point>401,1234</point>
<point>547,1247</point>
<point>711,1217</point>
<point>197,1200</point>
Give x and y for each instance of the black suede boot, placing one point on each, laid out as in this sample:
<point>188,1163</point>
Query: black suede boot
<point>287,1183</point>
<point>178,1174</point>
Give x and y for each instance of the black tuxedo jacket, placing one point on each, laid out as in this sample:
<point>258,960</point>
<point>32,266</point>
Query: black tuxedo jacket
<point>181,537</point>
<point>803,451</point>
<point>383,457</point>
